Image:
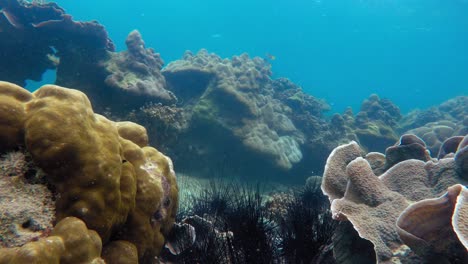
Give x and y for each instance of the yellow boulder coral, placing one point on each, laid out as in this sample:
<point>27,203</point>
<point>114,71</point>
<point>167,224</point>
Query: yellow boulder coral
<point>81,153</point>
<point>12,113</point>
<point>104,172</point>
<point>70,242</point>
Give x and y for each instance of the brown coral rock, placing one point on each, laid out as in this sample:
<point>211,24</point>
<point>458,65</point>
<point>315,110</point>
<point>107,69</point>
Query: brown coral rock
<point>430,227</point>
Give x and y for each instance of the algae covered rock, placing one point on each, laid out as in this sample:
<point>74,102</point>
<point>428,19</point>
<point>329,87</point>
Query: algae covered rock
<point>101,172</point>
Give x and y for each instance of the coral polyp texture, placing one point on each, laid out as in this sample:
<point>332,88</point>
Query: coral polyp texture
<point>111,190</point>
<point>407,190</point>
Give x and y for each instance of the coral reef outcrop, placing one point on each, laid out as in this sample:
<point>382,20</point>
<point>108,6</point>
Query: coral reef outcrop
<point>374,203</point>
<point>236,101</point>
<point>47,38</point>
<point>136,73</point>
<point>103,174</point>
<point>229,113</point>
<point>374,126</point>
<point>120,82</point>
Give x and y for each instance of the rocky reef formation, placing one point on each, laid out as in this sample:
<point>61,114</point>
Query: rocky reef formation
<point>235,102</point>
<point>114,196</point>
<point>44,37</point>
<point>374,126</point>
<point>398,211</point>
<point>138,70</point>
<point>230,114</point>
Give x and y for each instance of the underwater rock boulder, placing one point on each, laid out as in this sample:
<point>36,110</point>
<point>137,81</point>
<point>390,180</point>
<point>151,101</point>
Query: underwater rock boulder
<point>102,172</point>
<point>373,203</point>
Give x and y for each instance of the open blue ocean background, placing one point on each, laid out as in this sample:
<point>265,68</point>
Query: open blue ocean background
<point>414,52</point>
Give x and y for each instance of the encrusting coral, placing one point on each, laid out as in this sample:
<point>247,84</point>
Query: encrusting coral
<point>373,203</point>
<point>102,172</point>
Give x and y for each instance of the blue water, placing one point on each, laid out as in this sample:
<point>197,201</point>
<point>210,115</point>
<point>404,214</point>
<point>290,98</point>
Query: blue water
<point>414,52</point>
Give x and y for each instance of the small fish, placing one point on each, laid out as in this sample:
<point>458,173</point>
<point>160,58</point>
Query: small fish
<point>12,20</point>
<point>270,57</point>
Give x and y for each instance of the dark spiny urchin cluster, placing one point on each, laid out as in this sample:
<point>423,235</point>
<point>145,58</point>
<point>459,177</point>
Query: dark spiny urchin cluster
<point>306,228</point>
<point>252,226</point>
<point>239,228</point>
